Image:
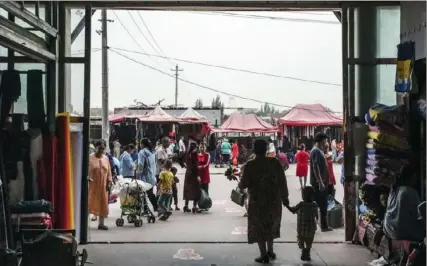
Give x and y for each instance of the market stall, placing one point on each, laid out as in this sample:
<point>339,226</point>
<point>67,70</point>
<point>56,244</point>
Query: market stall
<point>245,128</point>
<point>192,122</point>
<point>303,121</point>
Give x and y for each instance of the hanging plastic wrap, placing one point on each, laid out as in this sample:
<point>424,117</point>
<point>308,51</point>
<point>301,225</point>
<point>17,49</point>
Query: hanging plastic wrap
<point>404,67</point>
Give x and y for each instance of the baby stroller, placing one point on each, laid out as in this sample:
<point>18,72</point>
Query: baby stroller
<point>134,202</point>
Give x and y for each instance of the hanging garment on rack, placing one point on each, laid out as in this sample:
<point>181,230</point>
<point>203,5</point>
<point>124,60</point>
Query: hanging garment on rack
<point>36,154</point>
<point>10,91</point>
<point>35,99</point>
<point>17,186</point>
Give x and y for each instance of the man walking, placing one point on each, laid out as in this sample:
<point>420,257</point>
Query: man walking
<point>319,178</point>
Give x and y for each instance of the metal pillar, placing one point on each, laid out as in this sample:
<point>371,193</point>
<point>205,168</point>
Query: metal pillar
<point>52,67</point>
<point>105,109</point>
<point>61,56</point>
<point>86,120</point>
<point>365,40</point>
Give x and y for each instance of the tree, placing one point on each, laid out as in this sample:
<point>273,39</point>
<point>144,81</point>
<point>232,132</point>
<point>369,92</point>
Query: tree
<point>267,110</point>
<point>217,103</point>
<point>198,103</point>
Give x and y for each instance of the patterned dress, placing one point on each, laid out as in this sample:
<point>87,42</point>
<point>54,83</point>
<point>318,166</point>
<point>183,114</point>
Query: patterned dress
<point>266,183</point>
<point>191,185</point>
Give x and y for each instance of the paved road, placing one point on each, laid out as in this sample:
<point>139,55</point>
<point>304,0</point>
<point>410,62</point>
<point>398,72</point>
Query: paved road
<point>201,239</point>
<point>223,223</point>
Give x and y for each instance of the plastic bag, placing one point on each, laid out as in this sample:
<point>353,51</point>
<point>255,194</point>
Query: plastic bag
<point>115,191</point>
<point>205,201</point>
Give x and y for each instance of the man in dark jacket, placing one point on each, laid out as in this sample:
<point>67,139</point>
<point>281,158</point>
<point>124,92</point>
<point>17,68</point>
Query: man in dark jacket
<point>212,147</point>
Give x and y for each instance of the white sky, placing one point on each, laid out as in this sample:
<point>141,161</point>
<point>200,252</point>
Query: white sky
<point>288,48</point>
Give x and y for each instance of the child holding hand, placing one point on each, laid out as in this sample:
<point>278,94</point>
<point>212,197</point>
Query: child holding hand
<point>307,215</point>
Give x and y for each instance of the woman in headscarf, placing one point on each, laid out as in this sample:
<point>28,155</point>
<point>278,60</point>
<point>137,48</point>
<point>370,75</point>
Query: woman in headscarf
<point>192,179</point>
<point>100,180</point>
<point>266,183</point>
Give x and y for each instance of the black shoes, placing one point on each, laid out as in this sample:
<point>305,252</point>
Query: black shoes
<point>326,229</point>
<point>305,255</point>
<point>272,255</point>
<point>263,259</point>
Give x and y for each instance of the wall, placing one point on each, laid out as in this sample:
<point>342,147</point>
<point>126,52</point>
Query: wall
<point>413,26</point>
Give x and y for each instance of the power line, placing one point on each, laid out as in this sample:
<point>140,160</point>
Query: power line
<point>232,68</point>
<point>248,16</point>
<point>209,88</point>
<point>145,37</point>
<point>130,35</point>
<point>152,36</point>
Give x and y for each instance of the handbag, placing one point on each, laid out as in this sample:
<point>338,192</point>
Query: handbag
<point>237,197</point>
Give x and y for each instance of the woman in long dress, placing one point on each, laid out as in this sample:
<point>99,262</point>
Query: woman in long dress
<point>100,179</point>
<point>266,183</point>
<point>191,180</point>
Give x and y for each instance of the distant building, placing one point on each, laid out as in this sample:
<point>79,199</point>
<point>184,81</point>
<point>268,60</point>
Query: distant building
<point>214,115</point>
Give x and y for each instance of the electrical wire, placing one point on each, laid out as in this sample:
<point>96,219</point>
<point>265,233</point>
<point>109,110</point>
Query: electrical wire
<point>231,68</point>
<point>152,37</point>
<point>82,51</point>
<point>130,35</point>
<point>142,33</point>
<point>212,89</point>
<point>249,16</point>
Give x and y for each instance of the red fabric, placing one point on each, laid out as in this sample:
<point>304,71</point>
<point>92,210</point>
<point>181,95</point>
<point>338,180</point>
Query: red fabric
<point>239,122</point>
<point>302,158</point>
<point>202,160</point>
<point>310,115</point>
<point>283,159</point>
<point>330,163</point>
<point>49,158</point>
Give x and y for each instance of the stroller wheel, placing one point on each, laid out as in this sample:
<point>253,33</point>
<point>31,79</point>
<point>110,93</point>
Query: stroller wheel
<point>131,219</point>
<point>120,222</point>
<point>138,223</point>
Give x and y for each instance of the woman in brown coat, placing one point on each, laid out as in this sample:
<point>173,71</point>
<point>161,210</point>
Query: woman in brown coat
<point>266,183</point>
<point>192,179</point>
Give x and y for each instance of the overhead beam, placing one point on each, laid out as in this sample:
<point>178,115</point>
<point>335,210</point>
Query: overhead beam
<point>338,15</point>
<point>23,45</point>
<point>78,29</point>
<point>22,31</point>
<point>28,17</point>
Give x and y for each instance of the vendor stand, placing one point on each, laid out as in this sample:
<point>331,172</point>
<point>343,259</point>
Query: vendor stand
<point>303,121</point>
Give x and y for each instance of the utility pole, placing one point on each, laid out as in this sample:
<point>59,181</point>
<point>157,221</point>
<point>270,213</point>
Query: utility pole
<point>176,70</point>
<point>105,109</point>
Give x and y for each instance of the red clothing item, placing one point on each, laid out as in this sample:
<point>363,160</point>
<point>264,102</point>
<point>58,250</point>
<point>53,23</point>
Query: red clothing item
<point>235,150</point>
<point>203,160</point>
<point>302,158</point>
<point>331,171</point>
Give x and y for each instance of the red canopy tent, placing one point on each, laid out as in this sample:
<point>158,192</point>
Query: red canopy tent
<point>310,115</point>
<point>248,123</point>
<point>158,115</point>
<point>118,118</point>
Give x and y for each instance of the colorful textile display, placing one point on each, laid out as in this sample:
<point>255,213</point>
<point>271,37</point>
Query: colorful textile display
<point>404,67</point>
<point>384,149</point>
<point>65,199</point>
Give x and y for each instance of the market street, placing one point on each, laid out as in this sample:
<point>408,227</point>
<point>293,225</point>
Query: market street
<point>223,223</point>
<point>217,237</point>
